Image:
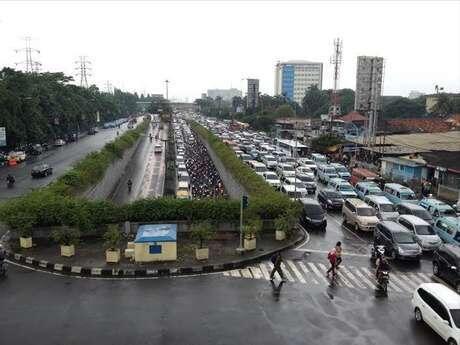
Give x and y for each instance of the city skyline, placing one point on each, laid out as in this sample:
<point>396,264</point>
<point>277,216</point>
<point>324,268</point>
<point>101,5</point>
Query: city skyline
<point>418,60</point>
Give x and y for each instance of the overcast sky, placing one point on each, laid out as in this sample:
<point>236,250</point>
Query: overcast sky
<point>214,44</point>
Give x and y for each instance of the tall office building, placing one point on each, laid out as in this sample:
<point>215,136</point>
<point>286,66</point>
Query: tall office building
<point>294,77</point>
<point>253,93</point>
<point>368,95</point>
<point>225,94</point>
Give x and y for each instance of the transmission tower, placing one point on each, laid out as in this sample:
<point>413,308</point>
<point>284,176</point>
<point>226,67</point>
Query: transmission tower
<point>336,60</point>
<point>109,87</point>
<point>30,64</point>
<point>83,69</point>
<point>167,88</point>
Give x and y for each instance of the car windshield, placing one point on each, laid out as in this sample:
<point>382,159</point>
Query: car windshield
<point>313,209</point>
<point>261,169</point>
<point>306,161</point>
<point>366,211</point>
<point>422,214</point>
<point>449,212</point>
<point>455,313</point>
<point>345,187</point>
<point>424,230</point>
<point>330,171</point>
<point>408,196</point>
<point>270,159</point>
<point>271,177</point>
<point>375,191</point>
<point>341,169</point>
<point>288,168</point>
<point>306,178</point>
<point>333,195</point>
<point>295,194</point>
<point>457,236</point>
<point>387,208</point>
<point>403,237</point>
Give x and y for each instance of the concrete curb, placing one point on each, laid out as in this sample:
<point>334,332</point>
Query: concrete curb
<point>143,272</point>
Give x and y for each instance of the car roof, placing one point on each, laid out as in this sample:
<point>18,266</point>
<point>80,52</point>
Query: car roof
<point>290,188</point>
<point>452,249</point>
<point>329,190</point>
<point>393,226</point>
<point>454,221</point>
<point>379,199</point>
<point>398,187</point>
<point>309,201</point>
<point>411,206</point>
<point>433,201</point>
<point>414,219</point>
<point>446,295</point>
<point>357,202</point>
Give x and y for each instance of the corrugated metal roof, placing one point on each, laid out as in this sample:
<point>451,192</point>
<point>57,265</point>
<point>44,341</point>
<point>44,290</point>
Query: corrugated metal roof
<point>156,233</point>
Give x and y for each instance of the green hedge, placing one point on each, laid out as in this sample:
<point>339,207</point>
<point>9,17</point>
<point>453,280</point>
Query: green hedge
<point>264,200</point>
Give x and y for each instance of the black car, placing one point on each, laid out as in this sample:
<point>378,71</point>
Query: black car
<point>446,264</point>
<point>42,170</point>
<point>330,199</point>
<point>313,215</point>
<point>399,242</point>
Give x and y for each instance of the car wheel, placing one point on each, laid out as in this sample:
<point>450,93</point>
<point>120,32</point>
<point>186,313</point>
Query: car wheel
<point>436,269</point>
<point>451,342</point>
<point>418,315</point>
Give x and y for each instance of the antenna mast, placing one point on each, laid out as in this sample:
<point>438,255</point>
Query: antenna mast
<point>336,60</point>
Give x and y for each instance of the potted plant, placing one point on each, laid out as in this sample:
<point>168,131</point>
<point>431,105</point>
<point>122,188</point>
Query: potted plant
<point>23,224</point>
<point>250,231</point>
<point>67,238</point>
<point>285,223</point>
<point>112,239</point>
<point>202,232</point>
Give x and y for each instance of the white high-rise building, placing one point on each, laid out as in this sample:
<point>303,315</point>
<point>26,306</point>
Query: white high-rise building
<point>294,77</point>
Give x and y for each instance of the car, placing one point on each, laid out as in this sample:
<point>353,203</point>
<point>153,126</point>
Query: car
<point>92,131</point>
<point>285,170</point>
<point>342,171</point>
<point>448,228</point>
<point>272,179</point>
<point>319,158</point>
<point>330,199</point>
<point>424,233</point>
<point>299,186</point>
<point>308,163</point>
<point>343,187</point>
<point>41,170</point>
<point>325,173</point>
<point>399,243</point>
<point>269,161</point>
<point>308,181</point>
<point>158,148</point>
<point>59,142</point>
<point>291,191</point>
<point>19,156</point>
<point>313,215</point>
<point>359,214</point>
<point>397,193</point>
<point>415,210</point>
<point>439,307</point>
<point>383,207</point>
<point>365,188</point>
<point>302,169</point>
<point>259,168</point>
<point>437,208</point>
<point>446,264</point>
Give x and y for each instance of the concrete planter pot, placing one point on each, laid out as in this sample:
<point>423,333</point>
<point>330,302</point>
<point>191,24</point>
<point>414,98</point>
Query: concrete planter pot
<point>112,256</point>
<point>202,253</point>
<point>25,242</point>
<point>280,235</point>
<point>68,251</point>
<point>249,243</point>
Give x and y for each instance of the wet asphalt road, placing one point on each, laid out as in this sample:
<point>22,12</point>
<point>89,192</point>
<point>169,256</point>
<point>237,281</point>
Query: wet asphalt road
<point>146,170</point>
<point>39,308</point>
<point>60,159</point>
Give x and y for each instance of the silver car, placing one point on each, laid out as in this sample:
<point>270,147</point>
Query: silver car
<point>423,232</point>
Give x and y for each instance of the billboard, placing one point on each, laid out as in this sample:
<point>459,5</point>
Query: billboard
<point>2,136</point>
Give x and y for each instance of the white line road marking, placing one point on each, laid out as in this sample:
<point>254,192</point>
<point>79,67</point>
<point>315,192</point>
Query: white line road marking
<point>264,271</point>
<point>296,271</point>
<point>415,278</point>
<point>363,278</point>
<point>256,272</point>
<point>399,281</point>
<point>246,273</point>
<point>351,276</point>
<point>318,273</point>
<point>226,273</point>
<point>235,273</point>
<point>308,275</point>
<point>270,268</point>
<point>339,282</point>
<point>425,277</point>
<point>408,281</point>
<point>287,273</point>
<point>327,251</point>
<point>391,285</point>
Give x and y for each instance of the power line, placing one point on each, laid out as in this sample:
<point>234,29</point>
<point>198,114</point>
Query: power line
<point>30,64</point>
<point>83,69</point>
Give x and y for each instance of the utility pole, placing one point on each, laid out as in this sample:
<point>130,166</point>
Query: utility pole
<point>83,70</point>
<point>166,83</point>
<point>336,60</point>
<point>31,66</point>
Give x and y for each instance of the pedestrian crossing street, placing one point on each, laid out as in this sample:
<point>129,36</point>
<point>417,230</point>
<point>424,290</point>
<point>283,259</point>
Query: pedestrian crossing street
<point>310,273</point>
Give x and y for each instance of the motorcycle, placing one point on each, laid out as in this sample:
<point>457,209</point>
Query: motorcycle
<point>382,282</point>
<point>383,277</point>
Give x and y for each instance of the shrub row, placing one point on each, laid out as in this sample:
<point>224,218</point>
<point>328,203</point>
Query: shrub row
<point>264,200</point>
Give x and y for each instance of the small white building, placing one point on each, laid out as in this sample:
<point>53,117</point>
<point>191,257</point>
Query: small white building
<point>156,242</point>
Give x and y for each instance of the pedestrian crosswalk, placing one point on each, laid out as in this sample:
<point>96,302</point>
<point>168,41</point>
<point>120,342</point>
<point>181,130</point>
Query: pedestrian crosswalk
<point>314,273</point>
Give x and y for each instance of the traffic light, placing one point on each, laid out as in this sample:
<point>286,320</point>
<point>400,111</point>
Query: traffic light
<point>245,201</point>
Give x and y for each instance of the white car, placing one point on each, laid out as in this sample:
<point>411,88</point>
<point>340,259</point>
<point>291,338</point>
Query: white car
<point>439,307</point>
<point>307,163</point>
<point>305,171</point>
<point>285,170</point>
<point>272,179</point>
<point>298,184</point>
<point>59,142</point>
<point>270,161</point>
<point>158,148</point>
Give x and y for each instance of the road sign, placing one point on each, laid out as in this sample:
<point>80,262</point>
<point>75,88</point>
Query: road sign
<point>2,136</point>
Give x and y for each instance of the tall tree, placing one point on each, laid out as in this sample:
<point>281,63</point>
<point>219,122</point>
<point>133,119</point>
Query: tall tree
<point>315,101</point>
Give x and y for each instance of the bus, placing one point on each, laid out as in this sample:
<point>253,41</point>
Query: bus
<point>290,146</point>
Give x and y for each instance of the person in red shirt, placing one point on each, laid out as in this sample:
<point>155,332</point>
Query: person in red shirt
<point>332,257</point>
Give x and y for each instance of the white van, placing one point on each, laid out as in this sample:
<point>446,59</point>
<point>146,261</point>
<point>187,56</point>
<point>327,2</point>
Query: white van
<point>325,173</point>
<point>397,193</point>
<point>343,187</point>
<point>383,207</point>
<point>258,167</point>
<point>318,158</point>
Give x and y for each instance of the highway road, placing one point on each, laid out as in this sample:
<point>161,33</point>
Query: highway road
<point>60,159</point>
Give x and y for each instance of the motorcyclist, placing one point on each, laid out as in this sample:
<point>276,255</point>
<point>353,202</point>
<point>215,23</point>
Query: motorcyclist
<point>130,185</point>
<point>10,179</point>
<point>150,137</point>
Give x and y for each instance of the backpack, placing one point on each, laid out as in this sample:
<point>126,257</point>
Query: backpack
<point>331,256</point>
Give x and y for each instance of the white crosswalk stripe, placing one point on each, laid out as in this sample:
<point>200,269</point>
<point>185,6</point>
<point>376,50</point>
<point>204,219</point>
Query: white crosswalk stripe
<point>315,273</point>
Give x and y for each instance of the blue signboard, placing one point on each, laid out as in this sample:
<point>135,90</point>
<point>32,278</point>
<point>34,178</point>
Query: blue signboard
<point>155,249</point>
<point>2,136</point>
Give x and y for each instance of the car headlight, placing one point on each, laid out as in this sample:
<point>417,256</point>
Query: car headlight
<point>400,250</point>
<point>329,202</point>
<point>307,218</point>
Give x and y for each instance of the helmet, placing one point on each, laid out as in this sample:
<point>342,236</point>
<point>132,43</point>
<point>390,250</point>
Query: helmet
<point>381,251</point>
